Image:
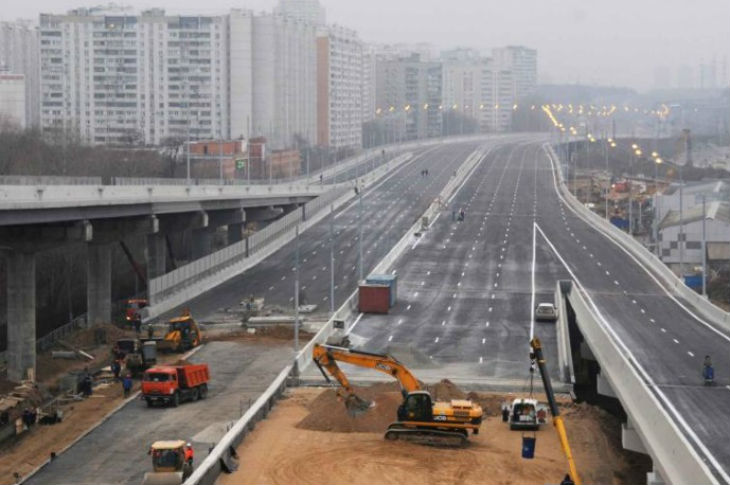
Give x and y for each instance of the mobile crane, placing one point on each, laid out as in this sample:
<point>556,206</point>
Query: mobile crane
<point>419,418</point>
<point>538,357</point>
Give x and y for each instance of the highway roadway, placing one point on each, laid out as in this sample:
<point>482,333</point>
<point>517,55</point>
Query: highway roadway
<point>466,288</point>
<point>389,208</point>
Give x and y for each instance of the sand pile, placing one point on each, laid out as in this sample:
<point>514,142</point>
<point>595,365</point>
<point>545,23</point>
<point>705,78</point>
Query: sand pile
<point>327,412</point>
<point>445,390</point>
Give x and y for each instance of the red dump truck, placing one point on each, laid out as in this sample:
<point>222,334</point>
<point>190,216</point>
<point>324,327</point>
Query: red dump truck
<point>173,384</point>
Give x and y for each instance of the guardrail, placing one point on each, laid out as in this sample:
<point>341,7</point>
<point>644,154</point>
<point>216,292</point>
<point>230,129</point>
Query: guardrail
<point>671,281</point>
<point>672,454</point>
<point>48,180</point>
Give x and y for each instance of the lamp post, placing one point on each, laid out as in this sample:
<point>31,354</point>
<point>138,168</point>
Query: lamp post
<point>657,161</point>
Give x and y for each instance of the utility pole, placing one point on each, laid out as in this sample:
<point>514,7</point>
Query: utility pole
<point>608,175</point>
<point>220,162</point>
<point>296,292</point>
<point>704,247</point>
<point>332,259</point>
<point>359,239</point>
<point>631,196</point>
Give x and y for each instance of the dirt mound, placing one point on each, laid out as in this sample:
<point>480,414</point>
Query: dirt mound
<point>87,338</point>
<point>181,362</point>
<point>491,403</point>
<point>445,390</point>
<point>328,412</point>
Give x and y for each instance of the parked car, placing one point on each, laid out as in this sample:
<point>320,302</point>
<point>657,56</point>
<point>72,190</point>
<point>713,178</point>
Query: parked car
<point>546,312</point>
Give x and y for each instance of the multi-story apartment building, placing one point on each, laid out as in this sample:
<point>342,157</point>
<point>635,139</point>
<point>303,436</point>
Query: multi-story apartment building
<point>12,101</point>
<point>497,97</point>
<point>115,78</point>
<point>367,90</point>
<point>284,79</point>
<point>462,79</point>
<point>409,97</point>
<point>309,11</point>
<point>339,88</point>
<point>522,62</point>
<point>19,55</point>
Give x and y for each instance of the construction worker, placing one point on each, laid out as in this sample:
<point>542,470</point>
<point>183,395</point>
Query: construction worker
<point>127,384</point>
<point>189,453</point>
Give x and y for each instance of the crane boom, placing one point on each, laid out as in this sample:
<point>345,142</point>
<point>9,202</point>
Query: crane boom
<point>557,418</point>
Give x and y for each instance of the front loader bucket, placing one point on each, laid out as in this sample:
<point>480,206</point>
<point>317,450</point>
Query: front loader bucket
<point>356,405</point>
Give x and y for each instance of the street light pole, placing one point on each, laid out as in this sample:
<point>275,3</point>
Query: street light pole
<point>704,248</point>
<point>608,183</point>
<point>681,224</point>
<point>359,239</point>
<point>296,292</point>
<point>332,259</point>
<point>631,197</point>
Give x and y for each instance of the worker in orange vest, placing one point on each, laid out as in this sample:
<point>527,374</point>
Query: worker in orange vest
<point>189,453</point>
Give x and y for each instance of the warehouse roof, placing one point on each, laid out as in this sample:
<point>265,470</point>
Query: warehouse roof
<point>719,211</point>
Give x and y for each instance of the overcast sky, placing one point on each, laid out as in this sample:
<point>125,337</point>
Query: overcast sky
<point>617,42</point>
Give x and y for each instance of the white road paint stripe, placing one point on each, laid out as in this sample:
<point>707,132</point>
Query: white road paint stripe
<point>400,320</point>
<point>436,340</point>
<point>390,338</point>
<point>675,340</point>
<point>489,309</point>
<point>271,288</point>
<point>408,307</point>
<point>481,360</point>
<point>690,354</point>
<point>443,323</point>
<point>449,308</point>
<point>664,330</point>
<point>487,324</point>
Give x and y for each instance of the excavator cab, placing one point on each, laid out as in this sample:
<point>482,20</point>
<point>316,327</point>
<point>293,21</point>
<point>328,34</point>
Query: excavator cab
<point>417,406</point>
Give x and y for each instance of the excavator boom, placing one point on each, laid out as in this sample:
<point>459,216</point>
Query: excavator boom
<point>326,357</point>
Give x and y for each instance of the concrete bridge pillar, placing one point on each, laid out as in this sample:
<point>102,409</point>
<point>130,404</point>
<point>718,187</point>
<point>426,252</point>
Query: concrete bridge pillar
<point>99,284</point>
<point>235,233</point>
<point>21,315</point>
<point>630,439</point>
<point>156,252</point>
<point>202,241</point>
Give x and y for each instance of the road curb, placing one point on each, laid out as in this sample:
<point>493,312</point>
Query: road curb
<point>101,421</point>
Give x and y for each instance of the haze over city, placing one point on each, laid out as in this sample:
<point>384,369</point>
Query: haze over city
<point>617,43</point>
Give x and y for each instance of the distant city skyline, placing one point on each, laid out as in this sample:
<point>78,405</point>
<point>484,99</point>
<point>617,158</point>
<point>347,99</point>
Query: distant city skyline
<point>620,45</point>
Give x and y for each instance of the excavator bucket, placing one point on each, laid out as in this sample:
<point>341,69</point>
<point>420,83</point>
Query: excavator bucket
<point>356,405</point>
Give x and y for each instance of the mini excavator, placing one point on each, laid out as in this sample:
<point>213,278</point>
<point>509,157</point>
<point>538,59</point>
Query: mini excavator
<point>419,418</point>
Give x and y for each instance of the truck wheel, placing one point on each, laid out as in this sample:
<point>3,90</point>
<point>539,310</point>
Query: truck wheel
<point>149,403</point>
<point>196,394</point>
<point>203,391</point>
<point>175,402</point>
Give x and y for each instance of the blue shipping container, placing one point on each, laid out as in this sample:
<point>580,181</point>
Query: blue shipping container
<point>693,281</point>
<point>385,279</point>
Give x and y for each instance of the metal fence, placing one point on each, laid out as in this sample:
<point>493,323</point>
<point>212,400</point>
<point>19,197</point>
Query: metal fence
<point>48,180</point>
<point>191,273</point>
<point>54,336</point>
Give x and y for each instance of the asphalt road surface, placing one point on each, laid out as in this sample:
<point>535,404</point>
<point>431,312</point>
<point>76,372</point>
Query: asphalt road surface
<point>389,209</point>
<point>465,289</point>
<point>116,451</point>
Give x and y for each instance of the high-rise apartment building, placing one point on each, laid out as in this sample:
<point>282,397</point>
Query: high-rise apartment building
<point>284,79</point>
<point>462,79</point>
<point>19,55</point>
<point>309,11</point>
<point>367,91</point>
<point>339,88</point>
<point>522,62</point>
<point>115,78</point>
<point>12,101</point>
<point>409,97</point>
<point>498,99</point>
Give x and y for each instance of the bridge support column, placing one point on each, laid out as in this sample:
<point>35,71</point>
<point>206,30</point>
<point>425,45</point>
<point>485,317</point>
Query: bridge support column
<point>630,439</point>
<point>604,387</point>
<point>21,315</point>
<point>99,284</point>
<point>202,240</point>
<point>235,233</point>
<point>156,252</point>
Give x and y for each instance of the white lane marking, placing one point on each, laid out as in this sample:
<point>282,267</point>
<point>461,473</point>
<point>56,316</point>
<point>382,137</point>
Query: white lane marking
<point>675,340</point>
<point>664,330</point>
<point>484,341</point>
<point>487,324</point>
<point>633,301</point>
<point>449,308</point>
<point>436,340</point>
<point>481,360</point>
<point>390,338</point>
<point>489,309</point>
<point>357,320</point>
<point>493,296</point>
<point>428,273</point>
<point>283,278</point>
<point>415,294</point>
<point>607,273</point>
<point>271,288</point>
<point>408,307</point>
<point>690,354</point>
<point>400,320</point>
<point>643,311</point>
<point>443,323</point>
<point>615,282</point>
<point>652,320</point>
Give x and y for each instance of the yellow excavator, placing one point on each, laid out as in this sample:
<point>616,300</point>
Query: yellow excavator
<point>419,418</point>
<point>539,358</point>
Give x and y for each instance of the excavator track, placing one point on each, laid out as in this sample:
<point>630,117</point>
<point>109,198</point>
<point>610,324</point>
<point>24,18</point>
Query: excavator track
<point>427,436</point>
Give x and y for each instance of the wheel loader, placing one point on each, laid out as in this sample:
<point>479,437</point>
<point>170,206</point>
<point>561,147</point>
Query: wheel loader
<point>182,334</point>
<point>169,466</point>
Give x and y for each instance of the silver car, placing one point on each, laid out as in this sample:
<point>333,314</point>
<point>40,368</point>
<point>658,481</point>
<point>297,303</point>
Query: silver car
<point>546,312</point>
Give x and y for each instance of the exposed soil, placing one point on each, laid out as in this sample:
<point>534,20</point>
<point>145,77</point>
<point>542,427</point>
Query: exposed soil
<point>273,333</point>
<point>309,439</point>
